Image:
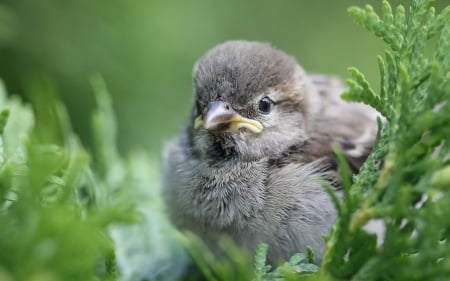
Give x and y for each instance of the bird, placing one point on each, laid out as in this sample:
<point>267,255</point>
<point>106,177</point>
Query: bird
<point>250,162</point>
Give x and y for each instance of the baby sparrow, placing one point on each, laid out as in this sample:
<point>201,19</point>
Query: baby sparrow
<point>259,137</point>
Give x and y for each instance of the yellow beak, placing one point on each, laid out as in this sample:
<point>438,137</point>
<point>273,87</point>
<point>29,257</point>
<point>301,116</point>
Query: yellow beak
<point>220,117</point>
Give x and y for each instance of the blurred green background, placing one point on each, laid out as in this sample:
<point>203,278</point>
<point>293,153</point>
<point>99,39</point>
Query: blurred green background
<point>145,50</point>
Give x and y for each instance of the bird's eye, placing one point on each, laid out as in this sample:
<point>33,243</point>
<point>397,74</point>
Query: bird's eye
<point>265,105</point>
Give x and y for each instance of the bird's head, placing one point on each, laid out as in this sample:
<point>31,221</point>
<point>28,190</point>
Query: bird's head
<point>251,101</point>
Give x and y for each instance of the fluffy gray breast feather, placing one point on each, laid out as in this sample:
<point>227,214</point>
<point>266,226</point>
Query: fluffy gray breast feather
<point>352,125</point>
<point>251,202</point>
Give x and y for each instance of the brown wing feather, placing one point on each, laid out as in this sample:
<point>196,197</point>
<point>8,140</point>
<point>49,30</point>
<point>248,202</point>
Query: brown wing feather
<point>352,125</point>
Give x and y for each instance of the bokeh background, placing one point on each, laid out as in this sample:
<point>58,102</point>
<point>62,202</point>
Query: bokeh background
<point>145,50</point>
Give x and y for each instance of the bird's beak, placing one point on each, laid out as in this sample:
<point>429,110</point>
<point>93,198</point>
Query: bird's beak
<point>220,117</point>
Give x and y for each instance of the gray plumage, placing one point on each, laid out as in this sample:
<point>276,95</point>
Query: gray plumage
<point>249,169</point>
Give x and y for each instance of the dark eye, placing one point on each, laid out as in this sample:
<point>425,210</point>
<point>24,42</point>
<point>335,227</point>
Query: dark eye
<point>265,105</point>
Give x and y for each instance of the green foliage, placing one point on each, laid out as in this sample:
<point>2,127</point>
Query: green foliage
<point>287,271</point>
<point>54,208</point>
<point>410,193</point>
<point>68,214</point>
<point>235,263</point>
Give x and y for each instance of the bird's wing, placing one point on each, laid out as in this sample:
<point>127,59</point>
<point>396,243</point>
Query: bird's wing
<point>352,125</point>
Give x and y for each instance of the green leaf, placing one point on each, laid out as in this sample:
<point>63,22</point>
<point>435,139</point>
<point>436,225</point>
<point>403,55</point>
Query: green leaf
<point>261,269</point>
